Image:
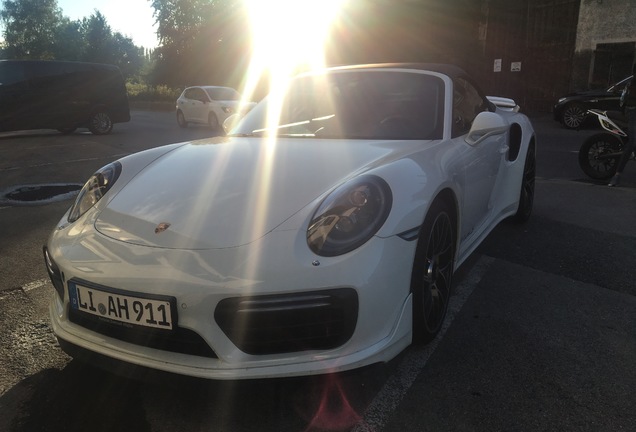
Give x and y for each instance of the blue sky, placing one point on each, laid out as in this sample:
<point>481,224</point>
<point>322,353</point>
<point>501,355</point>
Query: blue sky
<point>132,18</point>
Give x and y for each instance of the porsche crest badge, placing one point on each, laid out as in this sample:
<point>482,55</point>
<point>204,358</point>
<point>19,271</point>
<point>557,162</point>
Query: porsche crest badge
<point>162,227</point>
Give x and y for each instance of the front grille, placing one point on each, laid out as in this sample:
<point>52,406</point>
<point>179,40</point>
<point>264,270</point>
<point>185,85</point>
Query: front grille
<point>283,323</point>
<point>180,340</point>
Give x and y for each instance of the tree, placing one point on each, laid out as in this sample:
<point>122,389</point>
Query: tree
<point>179,24</point>
<point>98,35</point>
<point>128,57</point>
<point>201,41</point>
<point>69,43</point>
<point>36,29</point>
<point>101,45</point>
<point>29,28</point>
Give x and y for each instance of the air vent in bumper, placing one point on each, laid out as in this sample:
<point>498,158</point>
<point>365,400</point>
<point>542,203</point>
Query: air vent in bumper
<point>272,324</point>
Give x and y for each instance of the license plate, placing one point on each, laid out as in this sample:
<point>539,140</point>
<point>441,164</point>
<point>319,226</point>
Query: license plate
<point>123,308</point>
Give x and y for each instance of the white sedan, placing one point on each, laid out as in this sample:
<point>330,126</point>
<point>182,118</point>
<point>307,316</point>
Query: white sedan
<point>210,105</point>
<point>320,242</point>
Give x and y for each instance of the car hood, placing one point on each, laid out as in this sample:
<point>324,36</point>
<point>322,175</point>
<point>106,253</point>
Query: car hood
<point>227,192</point>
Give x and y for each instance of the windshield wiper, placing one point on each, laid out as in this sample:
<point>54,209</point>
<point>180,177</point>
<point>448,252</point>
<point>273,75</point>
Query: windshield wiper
<point>245,135</point>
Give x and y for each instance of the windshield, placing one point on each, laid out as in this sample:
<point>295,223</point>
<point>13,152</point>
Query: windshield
<point>223,94</point>
<point>355,105</point>
<point>618,87</point>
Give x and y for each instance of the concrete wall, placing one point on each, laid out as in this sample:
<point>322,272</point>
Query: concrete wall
<point>600,22</point>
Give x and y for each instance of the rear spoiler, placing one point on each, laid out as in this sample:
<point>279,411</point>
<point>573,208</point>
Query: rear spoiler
<point>505,104</point>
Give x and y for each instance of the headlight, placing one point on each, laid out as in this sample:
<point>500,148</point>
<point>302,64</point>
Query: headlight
<point>94,189</point>
<point>349,216</point>
<point>227,110</point>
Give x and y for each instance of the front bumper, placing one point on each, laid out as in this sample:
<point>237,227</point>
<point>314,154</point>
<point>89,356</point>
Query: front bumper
<point>301,318</point>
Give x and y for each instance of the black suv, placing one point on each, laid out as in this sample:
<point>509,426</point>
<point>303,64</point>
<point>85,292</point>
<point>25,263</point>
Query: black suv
<point>61,95</point>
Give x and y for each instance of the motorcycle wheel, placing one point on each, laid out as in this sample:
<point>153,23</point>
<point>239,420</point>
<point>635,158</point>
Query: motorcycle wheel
<point>599,156</point>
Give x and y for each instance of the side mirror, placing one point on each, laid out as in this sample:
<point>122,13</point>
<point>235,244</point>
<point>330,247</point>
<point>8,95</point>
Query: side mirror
<point>230,122</point>
<point>485,125</point>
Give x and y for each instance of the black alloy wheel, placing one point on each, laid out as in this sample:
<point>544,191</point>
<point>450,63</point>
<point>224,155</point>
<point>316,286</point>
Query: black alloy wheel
<point>432,273</point>
<point>574,116</point>
<point>526,197</point>
<point>100,123</point>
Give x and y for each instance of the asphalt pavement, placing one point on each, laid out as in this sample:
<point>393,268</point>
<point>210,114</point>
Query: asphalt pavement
<point>546,341</point>
<point>531,351</point>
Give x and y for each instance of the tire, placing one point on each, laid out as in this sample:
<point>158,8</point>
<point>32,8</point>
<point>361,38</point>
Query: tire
<point>181,119</point>
<point>431,278</point>
<point>593,158</point>
<point>213,121</point>
<point>100,123</point>
<point>573,116</point>
<point>526,196</point>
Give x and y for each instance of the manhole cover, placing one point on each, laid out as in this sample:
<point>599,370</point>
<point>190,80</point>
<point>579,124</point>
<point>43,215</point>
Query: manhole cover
<point>39,194</point>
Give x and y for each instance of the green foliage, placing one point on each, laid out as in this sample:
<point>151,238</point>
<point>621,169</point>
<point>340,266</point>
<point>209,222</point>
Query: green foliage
<point>36,29</point>
<point>30,28</point>
<point>69,40</point>
<point>147,93</point>
<point>202,42</point>
<point>99,39</point>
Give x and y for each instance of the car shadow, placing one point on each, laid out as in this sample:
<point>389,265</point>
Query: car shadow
<point>76,398</point>
<point>48,133</point>
<point>82,397</point>
<point>29,134</point>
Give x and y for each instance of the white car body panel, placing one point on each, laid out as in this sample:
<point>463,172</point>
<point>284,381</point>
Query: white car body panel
<point>204,285</point>
<point>238,216</point>
<point>506,104</point>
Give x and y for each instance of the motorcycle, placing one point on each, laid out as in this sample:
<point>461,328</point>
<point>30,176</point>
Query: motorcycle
<point>600,153</point>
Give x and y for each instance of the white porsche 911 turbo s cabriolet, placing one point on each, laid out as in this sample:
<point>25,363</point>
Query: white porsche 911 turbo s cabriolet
<point>320,235</point>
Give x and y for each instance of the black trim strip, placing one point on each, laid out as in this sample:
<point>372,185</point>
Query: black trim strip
<point>411,234</point>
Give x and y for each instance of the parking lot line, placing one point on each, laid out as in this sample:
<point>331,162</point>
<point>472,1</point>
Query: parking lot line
<point>35,284</point>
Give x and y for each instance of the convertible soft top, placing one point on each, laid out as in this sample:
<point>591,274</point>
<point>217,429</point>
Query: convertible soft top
<point>446,69</point>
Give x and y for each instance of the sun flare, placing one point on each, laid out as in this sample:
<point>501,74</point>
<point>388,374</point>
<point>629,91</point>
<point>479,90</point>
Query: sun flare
<point>289,33</point>
<point>287,36</point>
